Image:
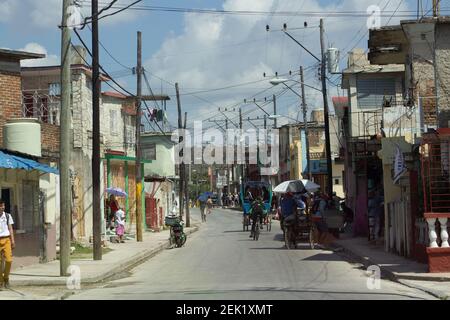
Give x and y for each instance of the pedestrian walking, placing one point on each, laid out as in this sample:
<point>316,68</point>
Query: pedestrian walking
<point>113,207</point>
<point>202,210</point>
<point>7,244</point>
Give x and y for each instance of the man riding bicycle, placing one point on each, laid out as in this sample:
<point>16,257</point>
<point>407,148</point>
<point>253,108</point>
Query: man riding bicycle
<point>257,212</point>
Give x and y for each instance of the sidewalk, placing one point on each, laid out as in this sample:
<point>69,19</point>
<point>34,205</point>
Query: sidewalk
<point>395,267</point>
<point>122,257</point>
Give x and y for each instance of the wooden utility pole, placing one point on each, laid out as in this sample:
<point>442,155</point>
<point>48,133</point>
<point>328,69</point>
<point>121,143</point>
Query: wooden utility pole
<point>138,140</point>
<point>325,107</point>
<point>180,166</point>
<point>64,145</point>
<point>186,183</point>
<point>96,87</point>
<point>305,123</point>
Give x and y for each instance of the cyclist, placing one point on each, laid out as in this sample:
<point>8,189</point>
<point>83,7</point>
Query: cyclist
<point>257,212</point>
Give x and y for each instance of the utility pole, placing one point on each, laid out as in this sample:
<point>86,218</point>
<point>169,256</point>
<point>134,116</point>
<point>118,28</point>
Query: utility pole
<point>138,140</point>
<point>305,123</point>
<point>96,87</point>
<point>64,146</point>
<point>180,139</point>
<point>240,127</point>
<point>436,8</point>
<point>325,107</point>
<point>227,165</point>
<point>186,183</point>
<point>274,99</point>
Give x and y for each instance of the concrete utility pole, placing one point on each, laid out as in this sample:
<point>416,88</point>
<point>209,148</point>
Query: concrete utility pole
<point>96,87</point>
<point>325,107</point>
<point>138,140</point>
<point>305,122</point>
<point>436,4</point>
<point>240,127</point>
<point>186,183</point>
<point>227,165</point>
<point>64,145</point>
<point>180,166</point>
<point>274,99</point>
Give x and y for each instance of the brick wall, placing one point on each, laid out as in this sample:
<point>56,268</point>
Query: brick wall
<point>10,99</point>
<point>50,137</point>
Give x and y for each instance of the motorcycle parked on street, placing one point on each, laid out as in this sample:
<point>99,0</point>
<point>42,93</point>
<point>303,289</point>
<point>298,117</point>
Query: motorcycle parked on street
<point>177,235</point>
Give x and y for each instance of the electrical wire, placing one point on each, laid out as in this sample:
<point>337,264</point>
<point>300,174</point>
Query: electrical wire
<point>335,13</point>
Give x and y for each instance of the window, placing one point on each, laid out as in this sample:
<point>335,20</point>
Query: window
<point>130,137</point>
<point>113,123</point>
<point>54,89</point>
<point>336,181</point>
<point>371,92</point>
<point>148,151</point>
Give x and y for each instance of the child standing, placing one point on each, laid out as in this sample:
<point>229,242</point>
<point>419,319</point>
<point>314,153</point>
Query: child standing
<point>119,219</point>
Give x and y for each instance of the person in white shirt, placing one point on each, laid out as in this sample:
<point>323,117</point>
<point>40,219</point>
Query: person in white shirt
<point>119,219</point>
<point>7,243</point>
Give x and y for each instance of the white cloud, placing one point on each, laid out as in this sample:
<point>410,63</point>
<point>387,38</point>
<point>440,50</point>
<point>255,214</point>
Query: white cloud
<point>47,14</point>
<point>49,60</point>
<point>7,8</point>
<point>217,51</point>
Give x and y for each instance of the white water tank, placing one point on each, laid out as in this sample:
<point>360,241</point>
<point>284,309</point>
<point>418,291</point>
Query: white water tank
<point>333,60</point>
<point>23,135</point>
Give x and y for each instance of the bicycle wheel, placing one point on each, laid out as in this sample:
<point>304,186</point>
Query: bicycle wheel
<point>287,238</point>
<point>256,232</point>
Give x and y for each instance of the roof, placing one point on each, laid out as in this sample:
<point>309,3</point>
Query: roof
<point>156,97</point>
<point>82,67</point>
<point>11,160</point>
<point>115,95</point>
<point>20,55</point>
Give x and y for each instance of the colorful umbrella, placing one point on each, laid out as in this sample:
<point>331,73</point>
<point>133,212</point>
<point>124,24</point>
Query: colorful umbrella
<point>116,191</point>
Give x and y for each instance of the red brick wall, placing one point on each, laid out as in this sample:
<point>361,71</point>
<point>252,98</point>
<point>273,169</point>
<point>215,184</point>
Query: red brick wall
<point>50,137</point>
<point>11,107</point>
<point>10,99</point>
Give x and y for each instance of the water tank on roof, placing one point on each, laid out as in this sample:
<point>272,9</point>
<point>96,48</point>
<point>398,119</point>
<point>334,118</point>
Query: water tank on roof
<point>333,60</point>
<point>23,135</point>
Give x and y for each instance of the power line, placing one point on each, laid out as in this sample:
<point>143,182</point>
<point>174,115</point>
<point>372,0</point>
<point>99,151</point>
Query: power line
<point>335,13</point>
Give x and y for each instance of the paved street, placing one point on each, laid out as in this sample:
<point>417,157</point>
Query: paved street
<point>222,262</point>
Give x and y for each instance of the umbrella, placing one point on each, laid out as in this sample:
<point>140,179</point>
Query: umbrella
<point>116,191</point>
<point>293,186</point>
<point>310,186</point>
<point>204,196</point>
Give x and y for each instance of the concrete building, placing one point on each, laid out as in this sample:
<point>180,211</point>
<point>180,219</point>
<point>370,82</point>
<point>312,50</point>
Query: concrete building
<point>28,186</point>
<point>43,80</point>
<point>160,178</point>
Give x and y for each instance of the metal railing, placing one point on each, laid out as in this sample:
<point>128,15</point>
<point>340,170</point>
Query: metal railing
<point>41,105</point>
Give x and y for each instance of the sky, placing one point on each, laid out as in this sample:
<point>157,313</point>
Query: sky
<point>207,52</point>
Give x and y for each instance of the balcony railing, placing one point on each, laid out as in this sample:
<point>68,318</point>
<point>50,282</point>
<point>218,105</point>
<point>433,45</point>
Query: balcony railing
<point>41,105</point>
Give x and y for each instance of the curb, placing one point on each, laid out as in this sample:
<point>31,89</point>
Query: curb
<point>126,265</point>
<point>366,262</point>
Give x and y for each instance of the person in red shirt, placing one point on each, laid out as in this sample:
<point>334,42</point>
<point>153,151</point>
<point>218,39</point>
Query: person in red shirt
<point>113,207</point>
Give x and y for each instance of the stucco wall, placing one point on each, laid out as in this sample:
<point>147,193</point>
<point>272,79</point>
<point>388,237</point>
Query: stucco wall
<point>164,165</point>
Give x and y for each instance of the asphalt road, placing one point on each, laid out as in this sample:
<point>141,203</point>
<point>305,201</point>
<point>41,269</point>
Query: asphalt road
<point>220,261</point>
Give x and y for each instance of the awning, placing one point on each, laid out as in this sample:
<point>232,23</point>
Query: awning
<point>10,161</point>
